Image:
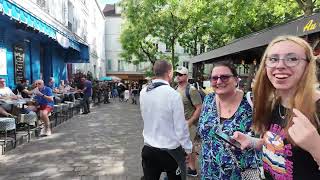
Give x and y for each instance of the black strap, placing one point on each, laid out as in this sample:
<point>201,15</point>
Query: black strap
<point>155,85</point>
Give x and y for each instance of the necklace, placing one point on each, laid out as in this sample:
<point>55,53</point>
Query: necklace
<point>230,108</point>
<point>280,114</point>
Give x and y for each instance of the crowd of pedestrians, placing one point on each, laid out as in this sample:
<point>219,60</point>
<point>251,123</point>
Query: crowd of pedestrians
<point>272,132</point>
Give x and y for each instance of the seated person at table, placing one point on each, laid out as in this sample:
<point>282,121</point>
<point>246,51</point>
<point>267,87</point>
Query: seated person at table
<point>44,99</point>
<point>6,94</point>
<point>4,113</point>
<point>22,88</point>
<point>52,85</point>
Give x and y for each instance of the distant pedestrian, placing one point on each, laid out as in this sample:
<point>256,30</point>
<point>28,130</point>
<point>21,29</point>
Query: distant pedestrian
<point>134,94</point>
<point>87,94</point>
<point>165,132</point>
<point>121,88</point>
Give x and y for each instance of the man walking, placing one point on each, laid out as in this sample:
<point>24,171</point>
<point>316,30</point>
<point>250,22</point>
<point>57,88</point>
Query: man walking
<point>192,103</point>
<point>87,93</point>
<point>165,132</point>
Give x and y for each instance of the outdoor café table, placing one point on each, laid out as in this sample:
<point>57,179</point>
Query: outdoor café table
<point>15,102</point>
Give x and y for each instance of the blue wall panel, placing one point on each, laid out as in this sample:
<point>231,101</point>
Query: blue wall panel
<point>35,60</point>
<point>59,66</point>
<point>47,68</point>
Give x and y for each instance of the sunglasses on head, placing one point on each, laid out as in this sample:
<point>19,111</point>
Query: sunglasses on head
<point>223,78</point>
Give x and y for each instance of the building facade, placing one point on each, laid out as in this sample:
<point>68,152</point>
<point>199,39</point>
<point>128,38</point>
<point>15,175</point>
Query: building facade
<point>40,39</point>
<point>88,18</point>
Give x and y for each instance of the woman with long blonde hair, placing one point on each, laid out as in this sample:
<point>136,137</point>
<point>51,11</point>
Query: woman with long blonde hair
<point>286,111</point>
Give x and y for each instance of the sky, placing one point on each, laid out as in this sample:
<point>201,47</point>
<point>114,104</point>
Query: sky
<point>102,3</point>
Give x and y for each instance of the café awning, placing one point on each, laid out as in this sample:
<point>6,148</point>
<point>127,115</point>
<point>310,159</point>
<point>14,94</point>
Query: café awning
<point>79,51</point>
<point>299,27</point>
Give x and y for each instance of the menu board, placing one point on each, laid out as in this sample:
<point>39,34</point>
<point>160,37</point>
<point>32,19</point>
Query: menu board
<point>18,55</point>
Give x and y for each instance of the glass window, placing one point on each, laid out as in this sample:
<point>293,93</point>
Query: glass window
<point>109,64</point>
<point>185,64</point>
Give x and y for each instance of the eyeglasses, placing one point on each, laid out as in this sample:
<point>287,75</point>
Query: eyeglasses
<point>289,61</point>
<point>223,78</point>
<point>178,74</point>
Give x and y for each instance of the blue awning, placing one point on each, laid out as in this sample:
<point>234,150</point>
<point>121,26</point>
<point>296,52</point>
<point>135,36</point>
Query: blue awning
<point>19,14</point>
<point>81,56</point>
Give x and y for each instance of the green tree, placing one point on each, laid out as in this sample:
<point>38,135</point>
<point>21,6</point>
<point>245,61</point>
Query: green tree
<point>308,6</point>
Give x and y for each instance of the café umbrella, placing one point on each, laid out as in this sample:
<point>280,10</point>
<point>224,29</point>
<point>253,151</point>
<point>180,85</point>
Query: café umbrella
<point>110,78</point>
<point>106,78</point>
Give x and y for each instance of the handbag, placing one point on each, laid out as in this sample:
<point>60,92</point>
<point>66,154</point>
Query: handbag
<point>247,174</point>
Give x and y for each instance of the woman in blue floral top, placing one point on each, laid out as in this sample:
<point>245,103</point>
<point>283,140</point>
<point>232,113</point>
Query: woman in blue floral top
<point>227,110</point>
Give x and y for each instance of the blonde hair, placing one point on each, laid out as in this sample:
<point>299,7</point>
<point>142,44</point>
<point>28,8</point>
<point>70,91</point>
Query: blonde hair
<point>265,97</point>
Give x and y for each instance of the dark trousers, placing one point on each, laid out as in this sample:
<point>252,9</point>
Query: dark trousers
<point>155,161</point>
<point>86,104</point>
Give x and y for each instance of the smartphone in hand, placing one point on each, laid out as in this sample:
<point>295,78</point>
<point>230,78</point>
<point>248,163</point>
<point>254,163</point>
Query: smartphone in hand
<point>226,138</point>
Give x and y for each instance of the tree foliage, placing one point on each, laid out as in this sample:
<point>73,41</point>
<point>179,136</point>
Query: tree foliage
<point>194,23</point>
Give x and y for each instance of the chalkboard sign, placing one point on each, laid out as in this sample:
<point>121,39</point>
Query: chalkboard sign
<point>18,55</point>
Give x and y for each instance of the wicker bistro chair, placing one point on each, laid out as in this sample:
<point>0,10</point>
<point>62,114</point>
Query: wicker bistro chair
<point>70,108</point>
<point>64,114</point>
<point>57,111</point>
<point>77,105</point>
<point>30,120</point>
<point>8,125</point>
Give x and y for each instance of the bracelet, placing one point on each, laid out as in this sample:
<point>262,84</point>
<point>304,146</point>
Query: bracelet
<point>253,143</point>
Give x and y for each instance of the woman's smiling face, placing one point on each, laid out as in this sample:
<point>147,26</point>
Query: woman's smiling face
<point>285,65</point>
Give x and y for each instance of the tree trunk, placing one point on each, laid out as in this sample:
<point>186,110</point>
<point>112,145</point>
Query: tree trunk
<point>173,60</point>
<point>307,6</point>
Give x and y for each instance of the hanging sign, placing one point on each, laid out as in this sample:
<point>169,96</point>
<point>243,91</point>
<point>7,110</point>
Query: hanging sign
<point>18,55</point>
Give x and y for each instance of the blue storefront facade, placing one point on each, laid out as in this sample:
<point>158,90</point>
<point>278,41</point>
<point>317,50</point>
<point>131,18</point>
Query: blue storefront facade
<point>34,49</point>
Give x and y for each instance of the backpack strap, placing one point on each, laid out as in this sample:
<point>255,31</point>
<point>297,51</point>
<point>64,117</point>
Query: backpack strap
<point>248,96</point>
<point>188,94</point>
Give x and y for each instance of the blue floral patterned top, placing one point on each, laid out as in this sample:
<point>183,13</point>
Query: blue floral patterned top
<point>216,162</point>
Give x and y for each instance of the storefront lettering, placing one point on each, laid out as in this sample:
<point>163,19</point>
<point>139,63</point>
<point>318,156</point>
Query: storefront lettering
<point>310,26</point>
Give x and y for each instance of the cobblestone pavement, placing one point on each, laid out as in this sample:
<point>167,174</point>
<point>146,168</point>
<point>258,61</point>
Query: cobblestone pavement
<point>105,144</point>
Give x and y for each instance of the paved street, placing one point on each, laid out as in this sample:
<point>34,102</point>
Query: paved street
<point>105,144</point>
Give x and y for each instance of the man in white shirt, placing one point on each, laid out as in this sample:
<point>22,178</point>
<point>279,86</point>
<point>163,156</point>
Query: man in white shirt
<point>7,94</point>
<point>165,132</point>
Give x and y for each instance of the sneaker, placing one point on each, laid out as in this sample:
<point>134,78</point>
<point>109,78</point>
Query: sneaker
<point>192,172</point>
<point>42,132</point>
<point>48,132</point>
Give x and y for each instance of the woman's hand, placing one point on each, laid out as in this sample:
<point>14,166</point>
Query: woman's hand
<point>304,134</point>
<point>243,139</point>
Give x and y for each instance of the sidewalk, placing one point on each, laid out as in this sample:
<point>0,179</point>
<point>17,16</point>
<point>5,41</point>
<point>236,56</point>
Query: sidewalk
<point>105,144</point>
